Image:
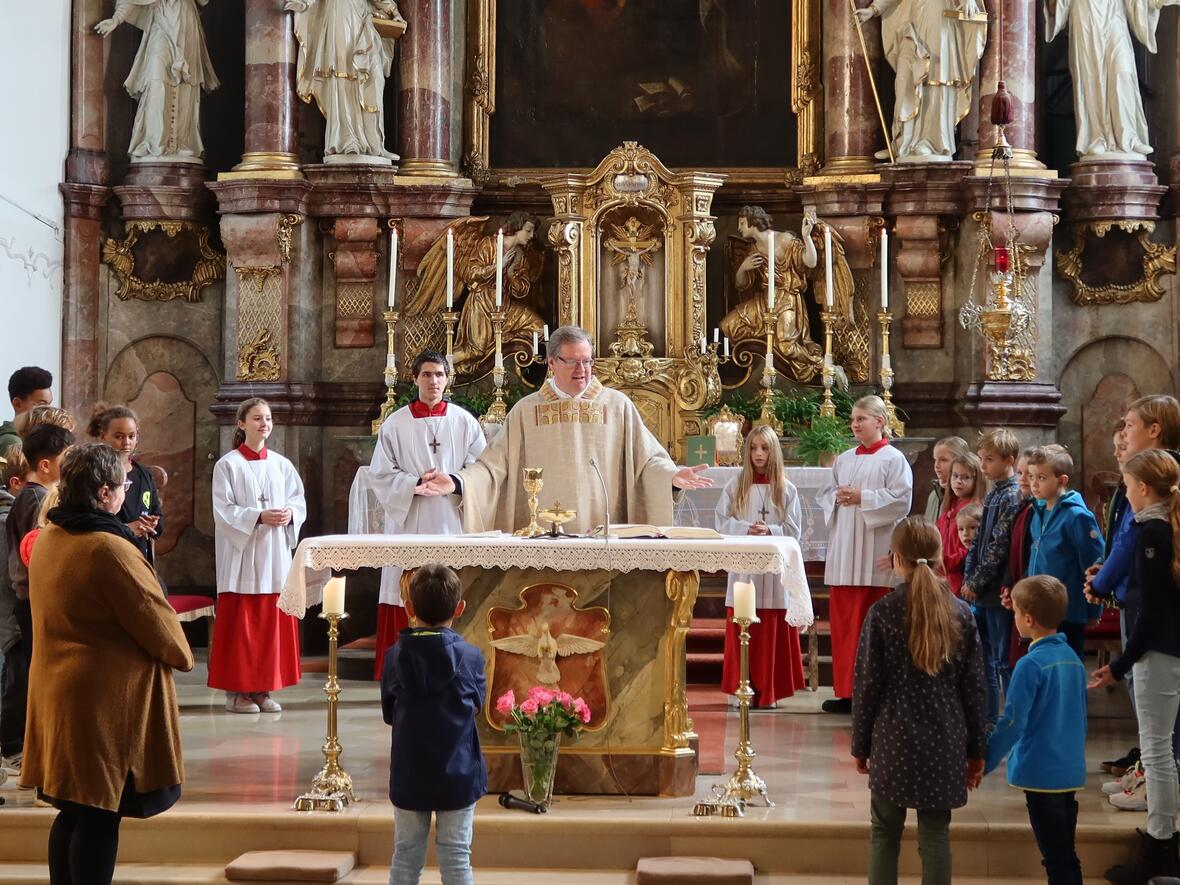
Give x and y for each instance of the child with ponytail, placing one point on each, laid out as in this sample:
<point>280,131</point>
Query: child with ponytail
<point>118,427</point>
<point>918,707</point>
<point>1152,654</point>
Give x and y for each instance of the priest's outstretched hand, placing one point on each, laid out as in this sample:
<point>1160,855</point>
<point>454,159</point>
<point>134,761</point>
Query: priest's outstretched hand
<point>434,483</point>
<point>690,478</point>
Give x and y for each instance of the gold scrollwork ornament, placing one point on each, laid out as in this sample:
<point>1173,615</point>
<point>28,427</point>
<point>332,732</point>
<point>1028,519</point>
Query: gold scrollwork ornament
<point>1157,260</point>
<point>119,255</point>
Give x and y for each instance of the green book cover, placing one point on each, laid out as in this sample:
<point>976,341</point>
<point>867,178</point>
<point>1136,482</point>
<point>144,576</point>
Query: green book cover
<point>700,450</point>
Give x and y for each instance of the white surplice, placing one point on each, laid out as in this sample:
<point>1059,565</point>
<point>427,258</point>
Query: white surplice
<point>251,557</point>
<point>403,454</point>
<point>782,522</point>
<point>859,535</point>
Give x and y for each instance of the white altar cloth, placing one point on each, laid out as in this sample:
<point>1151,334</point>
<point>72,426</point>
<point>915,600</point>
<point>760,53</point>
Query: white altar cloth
<point>748,555</point>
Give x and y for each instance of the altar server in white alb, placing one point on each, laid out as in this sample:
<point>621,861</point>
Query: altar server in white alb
<point>762,502</point>
<point>258,509</point>
<point>428,434</point>
<point>871,490</point>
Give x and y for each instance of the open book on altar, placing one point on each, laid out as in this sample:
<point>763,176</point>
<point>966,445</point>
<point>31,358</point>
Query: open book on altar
<point>673,532</point>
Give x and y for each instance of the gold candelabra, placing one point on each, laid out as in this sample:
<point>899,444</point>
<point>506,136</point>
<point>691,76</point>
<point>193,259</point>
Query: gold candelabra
<point>450,317</point>
<point>498,410</point>
<point>745,784</point>
<point>827,408</point>
<point>895,424</point>
<point>390,403</point>
<point>331,789</point>
<point>769,376</point>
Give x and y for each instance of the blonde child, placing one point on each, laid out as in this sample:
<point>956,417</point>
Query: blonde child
<point>965,486</point>
<point>917,710</point>
<point>762,501</point>
<point>118,427</point>
<point>258,509</point>
<point>946,450</point>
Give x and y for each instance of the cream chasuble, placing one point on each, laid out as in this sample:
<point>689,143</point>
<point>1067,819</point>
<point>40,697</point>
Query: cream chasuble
<point>561,435</point>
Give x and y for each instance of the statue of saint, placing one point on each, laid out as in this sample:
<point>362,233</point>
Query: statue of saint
<point>934,46</point>
<point>171,68</point>
<point>475,273</point>
<point>1106,100</point>
<point>343,65</point>
<point>795,261</point>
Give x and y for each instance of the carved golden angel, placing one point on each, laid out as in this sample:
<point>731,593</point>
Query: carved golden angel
<point>798,263</point>
<point>475,275</point>
<point>544,645</point>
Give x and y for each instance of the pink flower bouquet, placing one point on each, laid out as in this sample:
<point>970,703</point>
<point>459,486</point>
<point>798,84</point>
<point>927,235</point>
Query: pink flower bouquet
<point>544,711</point>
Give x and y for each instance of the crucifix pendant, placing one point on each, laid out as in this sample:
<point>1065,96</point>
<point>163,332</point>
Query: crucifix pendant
<point>434,444</point>
<point>263,500</point>
<point>764,513</point>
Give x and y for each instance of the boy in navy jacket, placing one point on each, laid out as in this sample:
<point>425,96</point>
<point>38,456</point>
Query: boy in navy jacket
<point>432,689</point>
<point>1044,725</point>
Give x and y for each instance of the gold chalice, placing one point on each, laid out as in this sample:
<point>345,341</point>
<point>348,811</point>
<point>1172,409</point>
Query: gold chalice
<point>533,483</point>
<point>556,516</point>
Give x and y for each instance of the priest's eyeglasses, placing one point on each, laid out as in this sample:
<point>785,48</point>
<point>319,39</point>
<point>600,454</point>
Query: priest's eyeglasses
<point>584,364</point>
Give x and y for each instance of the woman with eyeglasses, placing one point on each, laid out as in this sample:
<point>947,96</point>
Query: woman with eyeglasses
<point>103,736</point>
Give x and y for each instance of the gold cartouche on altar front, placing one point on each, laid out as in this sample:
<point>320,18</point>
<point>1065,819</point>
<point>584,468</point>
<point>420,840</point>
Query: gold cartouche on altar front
<point>533,482</point>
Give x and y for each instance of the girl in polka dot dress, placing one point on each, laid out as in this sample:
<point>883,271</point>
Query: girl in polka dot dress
<point>918,707</point>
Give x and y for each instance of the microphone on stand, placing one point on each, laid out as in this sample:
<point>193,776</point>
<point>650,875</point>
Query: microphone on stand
<point>606,498</point>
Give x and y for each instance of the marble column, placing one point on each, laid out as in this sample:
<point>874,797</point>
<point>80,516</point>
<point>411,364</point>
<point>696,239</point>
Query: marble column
<point>424,92</point>
<point>1019,39</point>
<point>852,130</point>
<point>271,132</point>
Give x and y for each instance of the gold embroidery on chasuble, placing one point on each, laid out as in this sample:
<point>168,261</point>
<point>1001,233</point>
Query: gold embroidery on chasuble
<point>583,410</point>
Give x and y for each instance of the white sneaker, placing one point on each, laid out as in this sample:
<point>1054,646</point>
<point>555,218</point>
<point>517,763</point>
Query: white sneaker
<point>265,702</point>
<point>1131,800</point>
<point>11,764</point>
<point>1124,783</point>
<point>240,703</point>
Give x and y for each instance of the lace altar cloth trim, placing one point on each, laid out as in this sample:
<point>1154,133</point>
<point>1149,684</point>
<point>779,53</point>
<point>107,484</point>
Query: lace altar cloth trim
<point>747,556</point>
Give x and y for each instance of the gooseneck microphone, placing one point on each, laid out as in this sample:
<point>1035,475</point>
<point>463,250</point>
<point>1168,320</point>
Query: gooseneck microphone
<point>606,498</point>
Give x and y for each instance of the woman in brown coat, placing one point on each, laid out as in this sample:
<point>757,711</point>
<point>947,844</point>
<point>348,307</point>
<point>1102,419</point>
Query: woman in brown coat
<point>103,735</point>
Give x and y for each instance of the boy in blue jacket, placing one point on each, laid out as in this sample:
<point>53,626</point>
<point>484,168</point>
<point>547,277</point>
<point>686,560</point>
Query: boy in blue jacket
<point>1065,538</point>
<point>432,689</point>
<point>1044,726</point>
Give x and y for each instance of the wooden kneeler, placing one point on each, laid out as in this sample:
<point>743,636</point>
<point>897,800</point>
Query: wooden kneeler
<point>694,871</point>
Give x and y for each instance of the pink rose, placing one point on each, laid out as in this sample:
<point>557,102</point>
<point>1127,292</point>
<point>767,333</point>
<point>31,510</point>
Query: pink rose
<point>566,700</point>
<point>505,702</point>
<point>541,695</point>
<point>581,710</point>
<point>529,707</point>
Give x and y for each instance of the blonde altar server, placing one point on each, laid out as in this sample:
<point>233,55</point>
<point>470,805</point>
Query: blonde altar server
<point>258,509</point>
<point>761,501</point>
<point>871,491</point>
<point>427,434</point>
<point>560,428</point>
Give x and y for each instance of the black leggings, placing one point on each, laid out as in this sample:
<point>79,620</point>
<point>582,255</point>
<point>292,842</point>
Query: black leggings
<point>83,844</point>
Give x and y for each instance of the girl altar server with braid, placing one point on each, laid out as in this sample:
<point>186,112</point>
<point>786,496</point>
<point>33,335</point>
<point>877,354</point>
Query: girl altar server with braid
<point>871,490</point>
<point>762,501</point>
<point>258,509</point>
<point>428,434</point>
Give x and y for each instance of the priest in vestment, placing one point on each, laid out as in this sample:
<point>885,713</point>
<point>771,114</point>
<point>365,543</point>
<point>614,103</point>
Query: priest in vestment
<point>428,434</point>
<point>570,421</point>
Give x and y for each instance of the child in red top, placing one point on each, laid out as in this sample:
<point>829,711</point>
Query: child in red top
<point>964,486</point>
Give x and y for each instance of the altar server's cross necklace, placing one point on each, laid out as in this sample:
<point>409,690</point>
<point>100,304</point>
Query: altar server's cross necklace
<point>434,443</point>
<point>764,512</point>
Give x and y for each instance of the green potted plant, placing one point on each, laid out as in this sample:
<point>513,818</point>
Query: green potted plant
<point>819,444</point>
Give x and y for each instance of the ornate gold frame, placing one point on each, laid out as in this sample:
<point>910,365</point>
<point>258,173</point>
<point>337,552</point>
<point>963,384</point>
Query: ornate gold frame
<point>727,458</point>
<point>479,100</point>
<point>120,257</point>
<point>1157,261</point>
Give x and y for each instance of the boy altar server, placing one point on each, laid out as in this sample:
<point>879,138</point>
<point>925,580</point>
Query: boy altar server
<point>428,434</point>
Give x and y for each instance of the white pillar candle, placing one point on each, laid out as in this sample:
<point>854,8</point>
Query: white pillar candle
<point>716,335</point>
<point>886,364</point>
<point>703,345</point>
<point>499,360</point>
<point>770,360</point>
<point>545,333</point>
<point>770,271</point>
<point>828,293</point>
<point>534,342</point>
<point>334,597</point>
<point>450,268</point>
<point>884,269</point>
<point>499,267</point>
<point>392,268</point>
<point>743,601</point>
<point>725,343</point>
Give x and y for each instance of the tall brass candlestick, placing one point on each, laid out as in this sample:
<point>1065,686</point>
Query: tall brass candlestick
<point>498,410</point>
<point>745,784</point>
<point>768,417</point>
<point>450,317</point>
<point>827,408</point>
<point>896,425</point>
<point>390,404</point>
<point>331,789</point>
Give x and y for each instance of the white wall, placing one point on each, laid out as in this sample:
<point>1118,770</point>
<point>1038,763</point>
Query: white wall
<point>35,63</point>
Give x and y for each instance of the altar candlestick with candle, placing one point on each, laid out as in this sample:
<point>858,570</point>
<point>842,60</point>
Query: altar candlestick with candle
<point>534,342</point>
<point>392,268</point>
<point>545,333</point>
<point>884,269</point>
<point>499,267</point>
<point>725,344</point>
<point>334,596</point>
<point>450,269</point>
<point>828,292</point>
<point>743,600</point>
<point>770,272</point>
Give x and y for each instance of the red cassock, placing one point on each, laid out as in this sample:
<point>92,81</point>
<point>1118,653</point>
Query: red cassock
<point>255,645</point>
<point>846,611</point>
<point>391,620</point>
<point>776,659</point>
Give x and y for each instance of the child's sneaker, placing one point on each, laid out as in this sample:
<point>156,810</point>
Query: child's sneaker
<point>1134,799</point>
<point>1124,783</point>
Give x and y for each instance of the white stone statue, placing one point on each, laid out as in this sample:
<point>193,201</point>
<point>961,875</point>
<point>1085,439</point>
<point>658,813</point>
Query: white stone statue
<point>170,69</point>
<point>1106,101</point>
<point>934,46</point>
<point>343,65</point>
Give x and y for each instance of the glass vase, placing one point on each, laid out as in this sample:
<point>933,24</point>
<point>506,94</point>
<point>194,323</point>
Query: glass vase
<point>538,762</point>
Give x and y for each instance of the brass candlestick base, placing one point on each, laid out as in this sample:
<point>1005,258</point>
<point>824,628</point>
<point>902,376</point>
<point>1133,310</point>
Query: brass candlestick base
<point>331,789</point>
<point>896,425</point>
<point>745,784</point>
<point>533,482</point>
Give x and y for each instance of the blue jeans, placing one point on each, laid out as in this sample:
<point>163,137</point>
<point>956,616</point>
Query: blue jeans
<point>452,837</point>
<point>997,636</point>
<point>1157,698</point>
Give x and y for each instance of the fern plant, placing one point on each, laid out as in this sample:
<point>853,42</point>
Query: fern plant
<point>824,438</point>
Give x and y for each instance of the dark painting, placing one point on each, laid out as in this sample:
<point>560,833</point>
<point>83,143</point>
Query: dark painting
<point>700,83</point>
